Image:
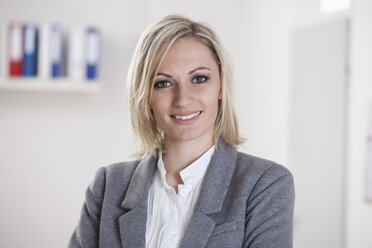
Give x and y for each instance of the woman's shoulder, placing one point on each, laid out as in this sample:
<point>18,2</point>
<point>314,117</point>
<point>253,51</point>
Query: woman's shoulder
<point>122,169</point>
<point>263,178</point>
<point>114,177</point>
<point>252,166</point>
<point>123,166</point>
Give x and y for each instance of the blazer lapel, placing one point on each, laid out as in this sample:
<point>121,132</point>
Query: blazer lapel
<point>215,186</point>
<point>212,195</point>
<point>133,222</point>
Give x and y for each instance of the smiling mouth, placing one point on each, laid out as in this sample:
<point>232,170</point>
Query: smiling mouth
<point>186,117</point>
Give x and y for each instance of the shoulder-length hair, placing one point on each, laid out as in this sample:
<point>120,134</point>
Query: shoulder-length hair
<point>149,53</point>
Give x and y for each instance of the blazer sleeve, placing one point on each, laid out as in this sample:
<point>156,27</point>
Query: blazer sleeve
<point>269,213</point>
<point>86,232</point>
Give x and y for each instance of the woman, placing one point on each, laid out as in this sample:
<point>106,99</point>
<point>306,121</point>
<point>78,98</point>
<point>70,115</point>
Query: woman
<point>191,188</point>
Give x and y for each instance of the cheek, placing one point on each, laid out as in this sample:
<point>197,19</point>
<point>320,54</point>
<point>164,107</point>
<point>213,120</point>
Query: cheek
<point>154,107</point>
<point>155,111</point>
<point>213,98</point>
<point>157,106</point>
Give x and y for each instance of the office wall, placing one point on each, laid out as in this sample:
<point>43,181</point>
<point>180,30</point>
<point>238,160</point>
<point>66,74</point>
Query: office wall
<point>263,78</point>
<point>319,59</point>
<point>51,143</point>
<point>359,211</point>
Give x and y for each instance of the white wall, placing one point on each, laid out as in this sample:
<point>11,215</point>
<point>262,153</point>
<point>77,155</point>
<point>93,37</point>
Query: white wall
<point>263,78</point>
<point>359,212</point>
<point>358,224</point>
<point>52,143</point>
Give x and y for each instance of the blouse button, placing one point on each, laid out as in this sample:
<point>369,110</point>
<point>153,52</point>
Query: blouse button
<point>182,193</point>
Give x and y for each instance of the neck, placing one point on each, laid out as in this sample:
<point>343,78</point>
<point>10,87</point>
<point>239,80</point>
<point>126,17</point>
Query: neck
<point>180,154</point>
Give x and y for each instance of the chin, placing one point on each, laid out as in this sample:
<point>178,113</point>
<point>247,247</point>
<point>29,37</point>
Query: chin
<point>191,136</point>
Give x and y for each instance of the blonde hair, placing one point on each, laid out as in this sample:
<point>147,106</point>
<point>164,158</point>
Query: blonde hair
<point>149,53</point>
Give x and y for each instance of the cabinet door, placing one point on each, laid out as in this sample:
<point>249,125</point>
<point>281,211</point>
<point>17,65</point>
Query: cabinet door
<point>317,132</point>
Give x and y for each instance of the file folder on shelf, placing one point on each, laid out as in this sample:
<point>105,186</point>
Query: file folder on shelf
<point>92,53</point>
<point>30,50</point>
<point>15,51</point>
<point>76,54</point>
<point>44,67</point>
<point>56,51</point>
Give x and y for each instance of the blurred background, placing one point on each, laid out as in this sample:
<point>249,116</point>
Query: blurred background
<point>303,95</point>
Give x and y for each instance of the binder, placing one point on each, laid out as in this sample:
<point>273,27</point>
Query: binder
<point>15,51</point>
<point>56,51</point>
<point>44,64</point>
<point>93,44</point>
<point>30,50</point>
<point>76,53</point>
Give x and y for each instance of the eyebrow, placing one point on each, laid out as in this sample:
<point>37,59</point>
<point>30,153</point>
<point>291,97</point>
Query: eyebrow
<point>191,72</point>
<point>199,68</point>
<point>163,74</point>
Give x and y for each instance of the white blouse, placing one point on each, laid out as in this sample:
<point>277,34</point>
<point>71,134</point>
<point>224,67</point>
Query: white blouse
<point>168,213</point>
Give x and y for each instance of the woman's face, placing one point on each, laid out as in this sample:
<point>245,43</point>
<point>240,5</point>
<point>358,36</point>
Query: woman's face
<point>186,92</point>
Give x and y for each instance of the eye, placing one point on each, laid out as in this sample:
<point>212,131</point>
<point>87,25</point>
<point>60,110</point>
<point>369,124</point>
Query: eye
<point>162,84</point>
<point>199,79</point>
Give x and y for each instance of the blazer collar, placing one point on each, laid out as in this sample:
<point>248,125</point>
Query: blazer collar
<point>212,195</point>
<point>217,179</point>
<point>215,185</point>
<point>133,222</point>
<point>138,189</point>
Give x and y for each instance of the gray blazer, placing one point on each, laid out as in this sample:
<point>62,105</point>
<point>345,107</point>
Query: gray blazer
<point>245,201</point>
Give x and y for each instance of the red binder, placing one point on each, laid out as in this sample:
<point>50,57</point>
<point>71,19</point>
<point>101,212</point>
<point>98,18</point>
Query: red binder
<point>15,49</point>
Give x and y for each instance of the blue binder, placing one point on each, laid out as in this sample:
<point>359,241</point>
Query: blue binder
<point>92,53</point>
<point>56,50</point>
<point>30,50</point>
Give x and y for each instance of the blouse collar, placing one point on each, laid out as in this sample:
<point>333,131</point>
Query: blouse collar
<point>193,173</point>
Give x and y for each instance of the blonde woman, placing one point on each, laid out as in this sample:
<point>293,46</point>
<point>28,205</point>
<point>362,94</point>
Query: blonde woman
<point>190,187</point>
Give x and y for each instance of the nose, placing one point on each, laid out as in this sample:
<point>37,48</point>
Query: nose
<point>183,96</point>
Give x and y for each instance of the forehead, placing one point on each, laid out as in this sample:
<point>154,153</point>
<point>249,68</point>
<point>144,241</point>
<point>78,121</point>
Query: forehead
<point>188,51</point>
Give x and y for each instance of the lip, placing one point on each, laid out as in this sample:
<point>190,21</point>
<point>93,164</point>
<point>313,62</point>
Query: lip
<point>179,119</point>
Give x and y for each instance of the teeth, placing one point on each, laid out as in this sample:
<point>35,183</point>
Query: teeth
<point>186,117</point>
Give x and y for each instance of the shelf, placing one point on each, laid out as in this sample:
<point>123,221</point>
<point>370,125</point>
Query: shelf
<point>56,85</point>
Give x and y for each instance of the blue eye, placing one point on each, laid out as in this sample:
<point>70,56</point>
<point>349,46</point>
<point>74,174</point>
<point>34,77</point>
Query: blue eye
<point>162,84</point>
<point>199,79</point>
